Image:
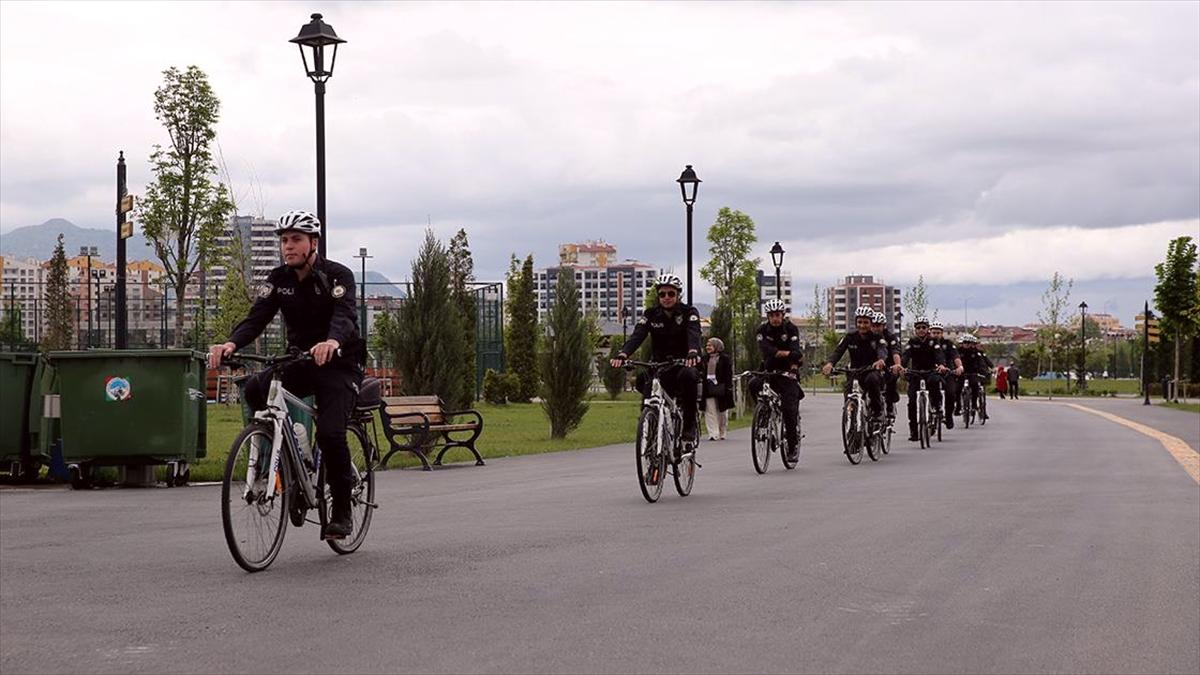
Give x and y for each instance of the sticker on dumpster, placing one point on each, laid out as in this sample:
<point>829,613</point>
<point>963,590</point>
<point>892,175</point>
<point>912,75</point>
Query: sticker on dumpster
<point>195,394</point>
<point>117,389</point>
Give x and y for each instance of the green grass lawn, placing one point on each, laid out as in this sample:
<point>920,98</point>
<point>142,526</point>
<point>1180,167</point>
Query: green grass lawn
<point>1097,387</point>
<point>1189,407</point>
<point>513,429</point>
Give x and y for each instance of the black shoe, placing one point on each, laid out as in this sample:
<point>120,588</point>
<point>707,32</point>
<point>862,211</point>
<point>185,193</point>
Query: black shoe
<point>913,437</point>
<point>793,453</point>
<point>950,422</point>
<point>340,524</point>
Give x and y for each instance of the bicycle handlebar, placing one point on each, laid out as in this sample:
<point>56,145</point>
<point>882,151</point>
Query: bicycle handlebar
<point>293,356</point>
<point>853,371</point>
<point>653,365</point>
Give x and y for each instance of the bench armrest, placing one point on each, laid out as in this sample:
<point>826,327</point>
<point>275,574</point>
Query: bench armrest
<point>456,413</point>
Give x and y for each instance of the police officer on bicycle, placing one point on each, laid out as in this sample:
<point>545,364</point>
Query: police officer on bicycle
<point>316,297</point>
<point>977,368</point>
<point>866,350</point>
<point>891,375</point>
<point>779,341</point>
<point>674,331</point>
<point>923,353</point>
<point>955,369</point>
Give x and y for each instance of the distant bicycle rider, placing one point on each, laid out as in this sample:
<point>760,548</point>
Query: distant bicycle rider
<point>954,363</point>
<point>674,331</point>
<point>923,353</point>
<point>867,350</point>
<point>779,341</point>
<point>977,368</point>
<point>891,375</point>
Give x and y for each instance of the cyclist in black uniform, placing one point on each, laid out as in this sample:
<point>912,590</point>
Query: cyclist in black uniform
<point>950,379</point>
<point>779,342</point>
<point>866,349</point>
<point>977,367</point>
<point>891,375</point>
<point>316,297</point>
<point>674,331</point>
<point>922,353</point>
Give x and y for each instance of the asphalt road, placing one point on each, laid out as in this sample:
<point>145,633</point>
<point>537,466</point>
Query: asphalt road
<point>1050,540</point>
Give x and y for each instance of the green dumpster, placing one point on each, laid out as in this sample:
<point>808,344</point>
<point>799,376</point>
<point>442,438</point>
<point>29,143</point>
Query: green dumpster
<point>44,428</point>
<point>17,371</point>
<point>131,407</point>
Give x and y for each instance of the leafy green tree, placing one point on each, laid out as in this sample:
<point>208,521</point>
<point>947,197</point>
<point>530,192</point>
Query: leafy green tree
<point>720,324</point>
<point>59,328</point>
<point>185,207</point>
<point>522,337</point>
<point>730,267</point>
<point>916,300</point>
<point>462,273</point>
<point>566,361</point>
<point>12,334</point>
<point>1054,336</point>
<point>383,332</point>
<point>234,297</point>
<point>426,344</point>
<point>1177,294</point>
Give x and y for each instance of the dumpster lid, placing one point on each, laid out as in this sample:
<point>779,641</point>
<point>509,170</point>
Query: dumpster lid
<point>125,353</point>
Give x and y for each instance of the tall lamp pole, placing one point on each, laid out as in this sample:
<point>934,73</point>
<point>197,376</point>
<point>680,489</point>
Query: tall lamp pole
<point>688,179</point>
<point>777,258</point>
<point>900,326</point>
<point>362,293</point>
<point>89,251</point>
<point>316,35</point>
<point>1082,345</point>
<point>1145,350</point>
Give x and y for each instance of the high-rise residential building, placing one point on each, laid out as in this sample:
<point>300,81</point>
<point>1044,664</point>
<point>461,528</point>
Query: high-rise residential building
<point>606,284</point>
<point>259,243</point>
<point>857,290</point>
<point>767,289</point>
<point>23,282</point>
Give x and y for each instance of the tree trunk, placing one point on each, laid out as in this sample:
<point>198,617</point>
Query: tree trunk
<point>1175,383</point>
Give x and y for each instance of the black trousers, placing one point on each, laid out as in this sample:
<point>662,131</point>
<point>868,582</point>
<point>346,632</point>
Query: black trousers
<point>951,383</point>
<point>973,382</point>
<point>889,382</point>
<point>935,395</point>
<point>336,390</point>
<point>1013,388</point>
<point>683,384</point>
<point>872,383</point>
<point>789,395</point>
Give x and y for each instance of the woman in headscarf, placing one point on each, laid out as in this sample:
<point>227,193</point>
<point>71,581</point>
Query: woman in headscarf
<point>1001,380</point>
<point>718,388</point>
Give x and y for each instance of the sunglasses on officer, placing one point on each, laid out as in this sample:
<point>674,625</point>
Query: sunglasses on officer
<point>667,294</point>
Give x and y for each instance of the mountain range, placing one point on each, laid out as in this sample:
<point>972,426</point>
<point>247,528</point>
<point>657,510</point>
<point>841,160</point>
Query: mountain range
<point>38,241</point>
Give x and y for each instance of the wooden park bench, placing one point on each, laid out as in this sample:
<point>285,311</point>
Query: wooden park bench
<point>417,423</point>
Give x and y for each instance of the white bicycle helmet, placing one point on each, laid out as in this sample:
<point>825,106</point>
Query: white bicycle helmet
<point>774,305</point>
<point>669,280</point>
<point>299,221</point>
<point>921,320</point>
<point>864,311</point>
<point>879,317</point>
<point>969,339</point>
<point>936,325</point>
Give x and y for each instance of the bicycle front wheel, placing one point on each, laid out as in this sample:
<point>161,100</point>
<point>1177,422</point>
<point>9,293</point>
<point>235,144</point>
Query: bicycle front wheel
<point>362,492</point>
<point>850,433</point>
<point>874,441</point>
<point>253,513</point>
<point>760,438</point>
<point>649,455</point>
<point>685,472</point>
<point>923,421</point>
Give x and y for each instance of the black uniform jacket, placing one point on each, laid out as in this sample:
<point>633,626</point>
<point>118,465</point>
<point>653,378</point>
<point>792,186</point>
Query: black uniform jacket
<point>864,349</point>
<point>975,361</point>
<point>923,354</point>
<point>784,337</point>
<point>320,307</point>
<point>673,333</point>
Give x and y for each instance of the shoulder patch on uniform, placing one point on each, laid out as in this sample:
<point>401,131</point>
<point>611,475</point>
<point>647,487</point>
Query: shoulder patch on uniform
<point>760,337</point>
<point>642,320</point>
<point>695,317</point>
<point>265,289</point>
<point>339,290</point>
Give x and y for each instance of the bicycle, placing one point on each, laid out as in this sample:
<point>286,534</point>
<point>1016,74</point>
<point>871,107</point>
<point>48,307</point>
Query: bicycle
<point>929,418</point>
<point>766,432</point>
<point>270,473</point>
<point>654,437</point>
<point>966,403</point>
<point>975,405</point>
<point>859,431</point>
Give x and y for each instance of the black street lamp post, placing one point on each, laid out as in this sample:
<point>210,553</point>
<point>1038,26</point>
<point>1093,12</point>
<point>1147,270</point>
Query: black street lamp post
<point>1082,345</point>
<point>777,258</point>
<point>900,326</point>
<point>316,35</point>
<point>1146,316</point>
<point>686,179</point>
<point>362,293</point>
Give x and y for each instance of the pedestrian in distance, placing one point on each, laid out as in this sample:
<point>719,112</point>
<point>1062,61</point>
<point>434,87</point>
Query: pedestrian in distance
<point>1001,381</point>
<point>1014,381</point>
<point>717,387</point>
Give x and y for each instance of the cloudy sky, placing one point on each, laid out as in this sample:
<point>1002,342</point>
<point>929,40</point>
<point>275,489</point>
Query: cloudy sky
<point>985,146</point>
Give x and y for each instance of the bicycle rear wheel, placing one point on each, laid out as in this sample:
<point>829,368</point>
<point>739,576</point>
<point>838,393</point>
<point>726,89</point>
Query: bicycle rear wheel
<point>649,455</point>
<point>886,438</point>
<point>362,493</point>
<point>254,516</point>
<point>873,441</point>
<point>760,438</point>
<point>850,434</point>
<point>938,417</point>
<point>982,407</point>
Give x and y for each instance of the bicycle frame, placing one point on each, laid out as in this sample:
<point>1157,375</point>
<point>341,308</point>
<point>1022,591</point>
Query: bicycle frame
<point>284,441</point>
<point>666,407</point>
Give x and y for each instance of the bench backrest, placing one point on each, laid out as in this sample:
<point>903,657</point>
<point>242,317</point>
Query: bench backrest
<point>430,405</point>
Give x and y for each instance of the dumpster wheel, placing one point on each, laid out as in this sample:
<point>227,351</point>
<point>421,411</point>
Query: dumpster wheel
<point>80,476</point>
<point>178,473</point>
